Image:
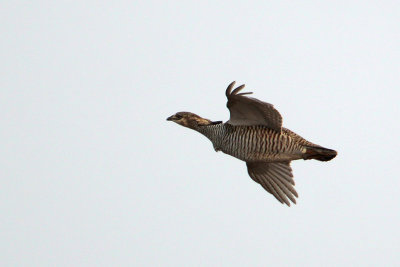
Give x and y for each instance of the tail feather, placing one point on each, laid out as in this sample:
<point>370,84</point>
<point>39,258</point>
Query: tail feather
<point>319,153</point>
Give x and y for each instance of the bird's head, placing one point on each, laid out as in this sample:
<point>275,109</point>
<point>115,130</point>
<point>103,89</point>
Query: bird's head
<point>190,120</point>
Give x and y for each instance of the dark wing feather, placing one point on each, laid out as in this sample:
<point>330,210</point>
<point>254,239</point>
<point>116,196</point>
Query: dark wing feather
<point>276,178</point>
<point>250,111</point>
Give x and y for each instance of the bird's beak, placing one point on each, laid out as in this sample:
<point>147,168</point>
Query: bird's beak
<point>170,118</point>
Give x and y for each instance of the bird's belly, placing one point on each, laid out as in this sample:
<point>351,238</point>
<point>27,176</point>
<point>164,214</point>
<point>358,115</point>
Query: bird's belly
<point>257,156</point>
<point>267,148</point>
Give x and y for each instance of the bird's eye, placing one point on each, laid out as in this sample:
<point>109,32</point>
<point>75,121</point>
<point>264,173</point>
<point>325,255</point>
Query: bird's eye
<point>178,117</point>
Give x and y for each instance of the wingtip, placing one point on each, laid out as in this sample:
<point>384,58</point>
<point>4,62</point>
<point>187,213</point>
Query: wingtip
<point>289,202</point>
<point>246,93</point>
<point>229,89</point>
<point>238,89</point>
<point>235,91</point>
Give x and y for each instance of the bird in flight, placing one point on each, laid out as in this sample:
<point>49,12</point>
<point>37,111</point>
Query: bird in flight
<point>254,134</point>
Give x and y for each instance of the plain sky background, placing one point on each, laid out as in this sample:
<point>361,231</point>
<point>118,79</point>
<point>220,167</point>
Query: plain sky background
<point>91,173</point>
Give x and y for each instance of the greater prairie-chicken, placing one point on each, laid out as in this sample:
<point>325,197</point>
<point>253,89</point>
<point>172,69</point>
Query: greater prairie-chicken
<point>254,134</point>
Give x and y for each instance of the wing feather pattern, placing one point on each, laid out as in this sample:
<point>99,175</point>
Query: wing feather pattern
<point>249,111</point>
<point>276,178</point>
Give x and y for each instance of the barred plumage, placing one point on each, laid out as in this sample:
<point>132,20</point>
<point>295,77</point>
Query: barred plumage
<point>254,134</point>
<point>254,143</point>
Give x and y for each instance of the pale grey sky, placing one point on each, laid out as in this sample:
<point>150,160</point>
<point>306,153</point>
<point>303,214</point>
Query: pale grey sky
<point>93,175</point>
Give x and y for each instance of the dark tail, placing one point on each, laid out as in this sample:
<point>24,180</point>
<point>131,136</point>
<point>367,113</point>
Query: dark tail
<point>320,153</point>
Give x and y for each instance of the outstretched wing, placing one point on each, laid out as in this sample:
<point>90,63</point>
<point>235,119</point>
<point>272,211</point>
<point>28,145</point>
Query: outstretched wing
<point>276,178</point>
<point>250,111</point>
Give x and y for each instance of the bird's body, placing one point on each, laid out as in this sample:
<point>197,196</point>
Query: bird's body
<point>255,143</point>
<point>255,135</point>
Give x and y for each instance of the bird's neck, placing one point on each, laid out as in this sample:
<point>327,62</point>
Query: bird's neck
<point>214,131</point>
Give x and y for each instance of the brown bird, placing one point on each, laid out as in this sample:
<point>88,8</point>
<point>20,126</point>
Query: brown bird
<point>254,134</point>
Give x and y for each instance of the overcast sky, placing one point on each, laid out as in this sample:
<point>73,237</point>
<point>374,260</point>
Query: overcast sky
<point>91,173</point>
